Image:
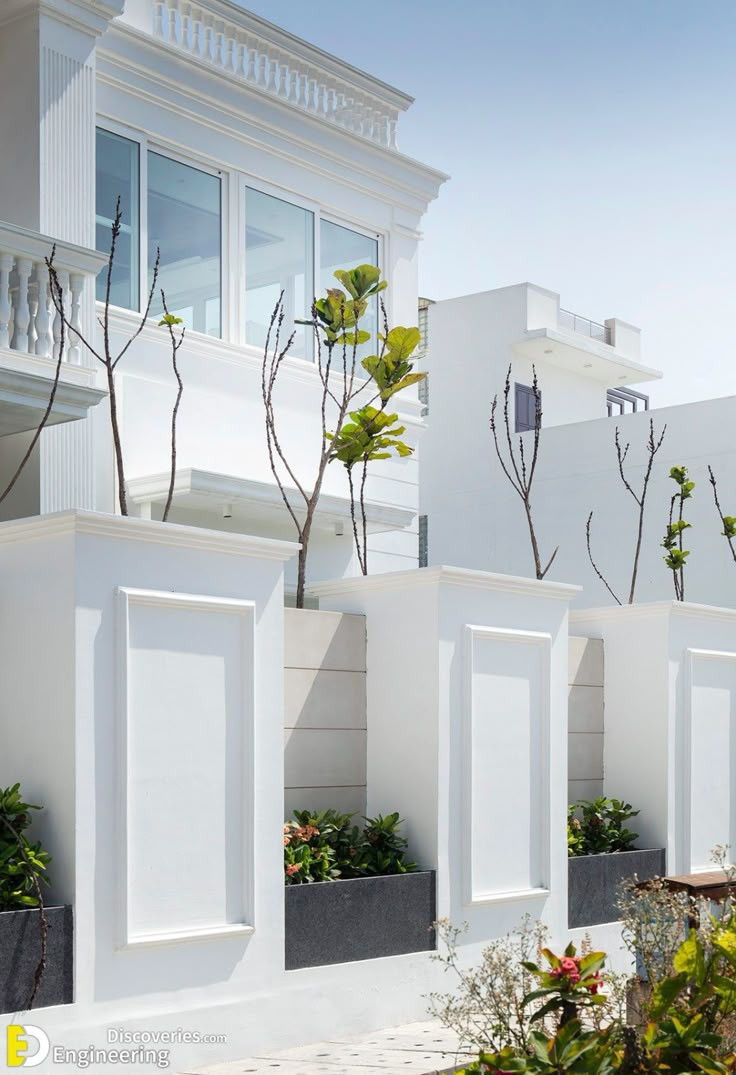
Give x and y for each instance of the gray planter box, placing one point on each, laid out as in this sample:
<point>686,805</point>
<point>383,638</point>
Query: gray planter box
<point>593,882</point>
<point>20,952</point>
<point>362,918</point>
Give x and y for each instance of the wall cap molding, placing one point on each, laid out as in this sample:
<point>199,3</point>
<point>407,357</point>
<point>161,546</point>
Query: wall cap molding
<point>651,610</point>
<point>148,531</point>
<point>448,576</point>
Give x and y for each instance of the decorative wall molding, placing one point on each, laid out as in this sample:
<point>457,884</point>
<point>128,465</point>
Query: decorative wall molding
<point>227,894</point>
<point>453,576</point>
<point>536,844</point>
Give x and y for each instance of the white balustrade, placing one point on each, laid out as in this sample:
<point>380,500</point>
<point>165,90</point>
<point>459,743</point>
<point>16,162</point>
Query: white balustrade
<point>29,320</point>
<point>245,48</point>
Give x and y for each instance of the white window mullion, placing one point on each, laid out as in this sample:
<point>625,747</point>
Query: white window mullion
<point>143,222</point>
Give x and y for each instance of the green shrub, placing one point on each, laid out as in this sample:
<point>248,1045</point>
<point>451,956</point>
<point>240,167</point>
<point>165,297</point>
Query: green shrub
<point>22,863</point>
<point>597,827</point>
<point>326,846</point>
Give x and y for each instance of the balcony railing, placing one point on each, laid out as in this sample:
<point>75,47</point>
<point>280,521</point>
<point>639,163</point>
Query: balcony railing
<point>29,322</point>
<point>255,52</point>
<point>584,326</point>
<point>625,400</point>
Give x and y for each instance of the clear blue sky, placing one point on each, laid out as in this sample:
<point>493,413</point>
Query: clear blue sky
<point>592,149</point>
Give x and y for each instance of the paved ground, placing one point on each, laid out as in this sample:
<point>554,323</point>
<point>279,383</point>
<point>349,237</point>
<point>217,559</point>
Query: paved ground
<point>414,1049</point>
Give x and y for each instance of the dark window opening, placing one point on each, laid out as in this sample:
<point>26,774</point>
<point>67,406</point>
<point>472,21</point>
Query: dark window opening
<point>525,407</point>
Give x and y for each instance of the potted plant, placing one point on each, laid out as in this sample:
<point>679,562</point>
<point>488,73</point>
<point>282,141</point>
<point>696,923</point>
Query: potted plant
<point>601,857</point>
<point>351,894</point>
<point>35,941</point>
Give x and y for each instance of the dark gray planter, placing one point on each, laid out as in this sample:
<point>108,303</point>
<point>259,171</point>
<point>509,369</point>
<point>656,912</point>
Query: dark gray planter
<point>362,918</point>
<point>20,952</point>
<point>593,883</point>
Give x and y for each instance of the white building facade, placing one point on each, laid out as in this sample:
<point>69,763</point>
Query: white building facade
<point>254,163</point>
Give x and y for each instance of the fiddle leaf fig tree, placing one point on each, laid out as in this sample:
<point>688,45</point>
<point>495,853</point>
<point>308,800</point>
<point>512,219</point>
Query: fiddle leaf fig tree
<point>354,435</point>
<point>672,543</point>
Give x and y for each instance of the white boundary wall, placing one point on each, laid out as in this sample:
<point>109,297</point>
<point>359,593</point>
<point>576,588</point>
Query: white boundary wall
<point>670,683</point>
<point>467,734</point>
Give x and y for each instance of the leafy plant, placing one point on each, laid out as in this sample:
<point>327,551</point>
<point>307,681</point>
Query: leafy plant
<point>384,850</point>
<point>22,870</point>
<point>673,542</point>
<point>326,845</point>
<point>598,826</point>
<point>22,863</point>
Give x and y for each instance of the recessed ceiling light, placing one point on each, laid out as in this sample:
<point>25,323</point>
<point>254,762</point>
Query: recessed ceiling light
<point>622,377</point>
<point>588,366</point>
<point>548,351</point>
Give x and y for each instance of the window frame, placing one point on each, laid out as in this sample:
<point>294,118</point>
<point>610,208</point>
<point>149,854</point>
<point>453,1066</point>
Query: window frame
<point>233,184</point>
<point>528,392</point>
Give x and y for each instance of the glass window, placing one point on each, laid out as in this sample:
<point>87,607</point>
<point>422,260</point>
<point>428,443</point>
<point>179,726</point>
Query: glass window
<point>279,256</point>
<point>184,223</point>
<point>117,176</point>
<point>341,248</point>
<point>526,408</point>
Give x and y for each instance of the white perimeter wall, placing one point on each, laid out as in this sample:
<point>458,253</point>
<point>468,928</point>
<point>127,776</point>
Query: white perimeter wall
<point>477,520</point>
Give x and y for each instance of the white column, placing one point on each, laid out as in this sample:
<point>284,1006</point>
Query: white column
<point>467,734</point>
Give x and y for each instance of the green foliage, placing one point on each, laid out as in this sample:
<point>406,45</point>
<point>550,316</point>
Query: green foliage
<point>22,863</point>
<point>384,850</point>
<point>687,1017</point>
<point>598,827</point>
<point>392,370</point>
<point>340,311</point>
<point>676,557</point>
<point>170,320</point>
<point>371,434</point>
<point>326,846</point>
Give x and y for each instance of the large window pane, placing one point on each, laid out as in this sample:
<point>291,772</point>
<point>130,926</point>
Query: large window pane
<point>117,176</point>
<point>279,256</point>
<point>184,223</point>
<point>341,248</point>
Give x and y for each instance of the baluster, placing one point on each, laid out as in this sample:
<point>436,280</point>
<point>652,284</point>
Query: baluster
<point>312,91</point>
<point>285,77</point>
<point>158,19</point>
<point>42,319</point>
<point>76,283</point>
<point>32,310</point>
<point>208,38</point>
<point>340,108</point>
<point>321,97</point>
<point>172,23</point>
<point>303,82</point>
<point>392,129</point>
<point>219,42</point>
<point>330,100</point>
<point>6,267</point>
<point>186,26</point>
<point>22,313</point>
<point>197,36</point>
<point>63,276</point>
<point>273,66</point>
<point>252,47</point>
<point>262,70</point>
<point>294,83</point>
<point>233,53</point>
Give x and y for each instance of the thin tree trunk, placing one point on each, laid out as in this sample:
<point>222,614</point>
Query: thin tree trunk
<point>122,496</point>
<point>363,516</point>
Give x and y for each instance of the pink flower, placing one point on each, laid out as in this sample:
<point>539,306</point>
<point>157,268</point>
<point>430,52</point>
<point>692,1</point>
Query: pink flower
<point>292,869</point>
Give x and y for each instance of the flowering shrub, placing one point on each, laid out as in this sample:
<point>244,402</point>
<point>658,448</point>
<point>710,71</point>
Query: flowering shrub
<point>598,827</point>
<point>325,846</point>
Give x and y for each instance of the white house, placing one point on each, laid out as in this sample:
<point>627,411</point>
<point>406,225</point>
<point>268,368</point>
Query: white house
<point>585,371</point>
<point>254,162</point>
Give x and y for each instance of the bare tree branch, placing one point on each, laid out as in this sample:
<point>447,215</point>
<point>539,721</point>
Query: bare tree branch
<point>520,475</point>
<point>593,563</point>
<point>727,530</point>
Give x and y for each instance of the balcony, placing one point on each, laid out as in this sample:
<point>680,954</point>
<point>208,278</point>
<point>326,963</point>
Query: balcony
<point>608,352</point>
<point>30,331</point>
<point>271,61</point>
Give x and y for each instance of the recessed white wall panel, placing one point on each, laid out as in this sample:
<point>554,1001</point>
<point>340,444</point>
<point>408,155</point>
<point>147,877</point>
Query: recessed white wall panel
<point>506,762</point>
<point>187,677</point>
<point>712,764</point>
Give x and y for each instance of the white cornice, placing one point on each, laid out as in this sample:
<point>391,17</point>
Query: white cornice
<point>449,576</point>
<point>133,52</point>
<point>650,610</point>
<point>147,531</point>
<point>34,244</point>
